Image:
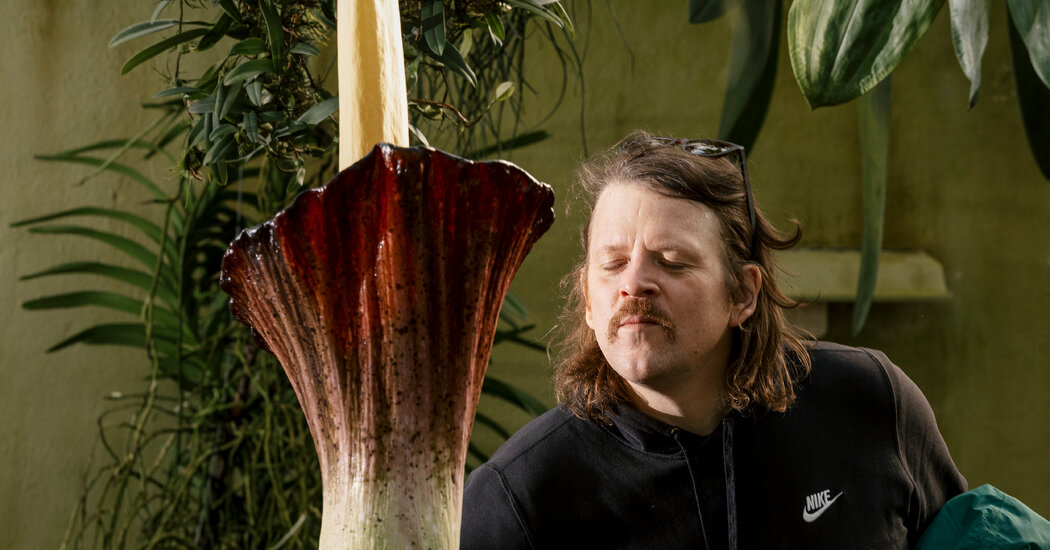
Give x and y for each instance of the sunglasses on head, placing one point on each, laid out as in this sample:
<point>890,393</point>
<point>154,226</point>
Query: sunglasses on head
<point>713,148</point>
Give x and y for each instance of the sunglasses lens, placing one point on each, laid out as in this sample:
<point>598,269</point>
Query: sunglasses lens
<point>704,148</point>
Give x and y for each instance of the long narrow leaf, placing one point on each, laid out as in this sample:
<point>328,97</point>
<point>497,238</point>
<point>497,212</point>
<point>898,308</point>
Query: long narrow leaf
<point>151,229</point>
<point>133,277</point>
<point>454,60</point>
<point>123,244</point>
<point>216,33</point>
<point>1031,19</point>
<point>274,31</point>
<point>1034,100</point>
<point>314,115</point>
<point>141,29</point>
<point>99,298</point>
<point>702,11</point>
<point>161,47</point>
<point>249,46</point>
<point>105,145</point>
<point>485,420</point>
<point>535,9</point>
<point>119,334</point>
<point>874,120</point>
<point>248,69</point>
<point>147,227</point>
<point>109,300</point>
<point>116,167</point>
<point>518,141</point>
<point>514,396</point>
<point>433,22</point>
<point>752,72</point>
<point>969,37</point>
<point>840,50</point>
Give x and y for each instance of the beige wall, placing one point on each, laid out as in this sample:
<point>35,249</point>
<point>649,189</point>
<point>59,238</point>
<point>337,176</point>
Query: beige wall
<point>60,88</point>
<point>963,187</point>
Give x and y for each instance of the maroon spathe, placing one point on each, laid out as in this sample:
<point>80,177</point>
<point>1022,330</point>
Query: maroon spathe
<point>379,293</point>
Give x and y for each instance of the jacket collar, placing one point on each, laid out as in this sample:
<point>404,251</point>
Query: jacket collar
<point>650,435</point>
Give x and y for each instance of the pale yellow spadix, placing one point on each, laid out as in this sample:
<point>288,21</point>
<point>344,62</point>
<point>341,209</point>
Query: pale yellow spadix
<point>373,105</point>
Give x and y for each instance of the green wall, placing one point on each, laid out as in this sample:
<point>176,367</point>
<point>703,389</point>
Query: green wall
<point>963,187</point>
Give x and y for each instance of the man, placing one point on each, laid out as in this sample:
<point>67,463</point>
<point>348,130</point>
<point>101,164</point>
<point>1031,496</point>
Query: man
<point>691,415</point>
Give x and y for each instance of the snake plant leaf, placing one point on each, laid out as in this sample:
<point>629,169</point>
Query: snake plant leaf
<point>432,15</point>
<point>161,47</point>
<point>840,50</point>
<point>702,11</point>
<point>1033,97</point>
<point>1031,20</point>
<point>969,37</point>
<point>873,115</point>
<point>379,293</point>
<point>752,72</point>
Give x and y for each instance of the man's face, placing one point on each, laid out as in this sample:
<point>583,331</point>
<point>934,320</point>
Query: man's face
<point>656,287</point>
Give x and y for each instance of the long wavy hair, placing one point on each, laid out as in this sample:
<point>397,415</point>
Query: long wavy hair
<point>768,355</point>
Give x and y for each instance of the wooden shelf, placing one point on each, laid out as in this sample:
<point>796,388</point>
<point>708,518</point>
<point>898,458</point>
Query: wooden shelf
<point>822,275</point>
<point>830,275</point>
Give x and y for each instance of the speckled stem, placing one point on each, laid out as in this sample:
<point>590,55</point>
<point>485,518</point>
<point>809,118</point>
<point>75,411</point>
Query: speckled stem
<point>379,294</point>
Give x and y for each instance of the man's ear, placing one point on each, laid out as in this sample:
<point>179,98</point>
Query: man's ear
<point>751,286</point>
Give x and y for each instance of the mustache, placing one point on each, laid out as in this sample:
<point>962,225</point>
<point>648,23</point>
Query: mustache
<point>647,311</point>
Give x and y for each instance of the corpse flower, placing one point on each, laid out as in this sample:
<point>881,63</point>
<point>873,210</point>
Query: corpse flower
<point>379,294</point>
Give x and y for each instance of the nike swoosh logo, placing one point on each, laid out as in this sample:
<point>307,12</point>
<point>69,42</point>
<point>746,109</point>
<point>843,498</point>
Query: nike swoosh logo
<point>810,517</point>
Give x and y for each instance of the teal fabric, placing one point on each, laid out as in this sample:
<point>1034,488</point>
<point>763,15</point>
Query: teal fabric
<point>986,519</point>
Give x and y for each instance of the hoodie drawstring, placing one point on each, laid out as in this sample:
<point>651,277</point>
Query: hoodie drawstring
<point>730,479</point>
<point>727,464</point>
<point>689,466</point>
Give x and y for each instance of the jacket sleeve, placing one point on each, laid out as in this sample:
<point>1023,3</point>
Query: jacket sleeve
<point>490,518</point>
<point>923,453</point>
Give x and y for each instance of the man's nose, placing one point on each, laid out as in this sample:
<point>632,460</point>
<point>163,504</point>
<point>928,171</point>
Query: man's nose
<point>637,281</point>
